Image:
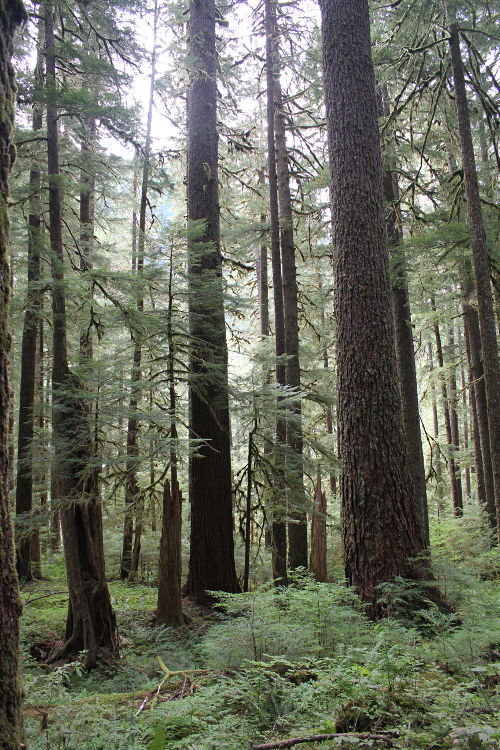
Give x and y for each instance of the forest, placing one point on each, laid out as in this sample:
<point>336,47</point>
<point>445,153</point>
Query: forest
<point>249,374</point>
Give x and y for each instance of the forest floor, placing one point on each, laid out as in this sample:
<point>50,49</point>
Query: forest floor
<point>275,664</point>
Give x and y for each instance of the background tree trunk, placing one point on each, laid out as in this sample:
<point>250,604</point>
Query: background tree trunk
<point>24,483</point>
<point>317,563</point>
<point>279,561</point>
<point>297,516</point>
<point>486,311</point>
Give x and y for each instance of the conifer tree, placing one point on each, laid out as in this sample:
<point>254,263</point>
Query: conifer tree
<point>382,525</point>
<point>211,562</point>
<point>12,13</point>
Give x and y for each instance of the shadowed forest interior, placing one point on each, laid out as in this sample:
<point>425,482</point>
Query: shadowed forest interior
<point>249,374</point>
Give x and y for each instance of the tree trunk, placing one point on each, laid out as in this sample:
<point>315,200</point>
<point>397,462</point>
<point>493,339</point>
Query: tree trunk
<point>317,564</point>
<point>297,517</point>
<point>484,467</point>
<point>481,266</point>
<point>405,354</point>
<point>11,14</point>
<point>24,485</point>
<point>279,501</point>
<point>458,509</point>
<point>211,563</point>
<point>169,609</point>
<point>382,525</point>
<point>133,503</point>
<point>466,408</point>
<point>90,624</point>
<point>455,497</point>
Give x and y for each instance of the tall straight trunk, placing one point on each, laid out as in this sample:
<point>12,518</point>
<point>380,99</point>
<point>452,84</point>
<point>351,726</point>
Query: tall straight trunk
<point>486,311</point>
<point>317,564</point>
<point>382,524</point>
<point>90,624</point>
<point>11,732</point>
<point>435,455</point>
<point>133,502</point>
<point>478,457</point>
<point>455,435</point>
<point>484,466</point>
<point>297,523</point>
<point>455,497</point>
<point>279,557</point>
<point>169,608</point>
<point>326,366</point>
<point>405,354</point>
<point>211,563</point>
<point>24,484</point>
<point>466,409</point>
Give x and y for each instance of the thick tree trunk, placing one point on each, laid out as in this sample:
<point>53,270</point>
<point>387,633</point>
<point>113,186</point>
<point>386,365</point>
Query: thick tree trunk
<point>405,354</point>
<point>382,525</point>
<point>90,624</point>
<point>297,516</point>
<point>279,501</point>
<point>26,535</point>
<point>317,564</point>
<point>11,14</point>
<point>211,563</point>
<point>481,266</point>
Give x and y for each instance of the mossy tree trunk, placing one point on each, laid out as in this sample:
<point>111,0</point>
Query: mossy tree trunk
<point>11,14</point>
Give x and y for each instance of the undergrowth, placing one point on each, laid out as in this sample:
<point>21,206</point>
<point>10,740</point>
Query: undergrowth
<point>278,663</point>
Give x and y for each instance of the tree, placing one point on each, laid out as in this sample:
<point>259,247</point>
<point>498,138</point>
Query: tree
<point>481,265</point>
<point>211,562</point>
<point>130,558</point>
<point>24,479</point>
<point>382,526</point>
<point>278,510</point>
<point>12,13</point>
<point>90,624</point>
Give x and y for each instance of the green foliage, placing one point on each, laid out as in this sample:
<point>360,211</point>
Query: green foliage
<point>278,663</point>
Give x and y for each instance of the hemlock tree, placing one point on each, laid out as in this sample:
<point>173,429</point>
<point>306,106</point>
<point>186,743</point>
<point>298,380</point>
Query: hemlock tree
<point>90,623</point>
<point>211,563</point>
<point>11,14</point>
<point>382,526</point>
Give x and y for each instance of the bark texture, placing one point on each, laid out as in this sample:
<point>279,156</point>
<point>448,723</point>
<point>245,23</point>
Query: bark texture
<point>11,14</point>
<point>211,564</point>
<point>382,526</point>
<point>486,311</point>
